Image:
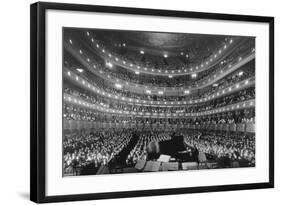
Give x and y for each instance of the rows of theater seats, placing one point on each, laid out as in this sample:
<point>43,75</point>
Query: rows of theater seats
<point>100,147</point>
<point>96,148</point>
<point>159,61</point>
<point>226,82</point>
<point>89,146</point>
<point>139,151</point>
<point>177,81</point>
<point>220,102</point>
<point>82,114</point>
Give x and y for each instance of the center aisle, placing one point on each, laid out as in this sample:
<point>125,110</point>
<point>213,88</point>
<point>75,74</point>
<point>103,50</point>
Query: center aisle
<point>120,159</point>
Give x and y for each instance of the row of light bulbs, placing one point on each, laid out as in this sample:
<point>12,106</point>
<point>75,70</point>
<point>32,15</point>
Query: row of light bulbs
<point>194,75</point>
<point>240,105</point>
<point>227,90</point>
<point>197,68</point>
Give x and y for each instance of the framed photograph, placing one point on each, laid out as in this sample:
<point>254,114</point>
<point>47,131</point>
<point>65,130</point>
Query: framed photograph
<point>129,102</point>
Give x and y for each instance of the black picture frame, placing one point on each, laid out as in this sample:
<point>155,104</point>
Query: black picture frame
<point>38,100</point>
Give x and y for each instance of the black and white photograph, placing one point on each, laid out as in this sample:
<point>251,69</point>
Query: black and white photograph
<point>140,102</point>
<point>136,102</point>
<point>143,101</point>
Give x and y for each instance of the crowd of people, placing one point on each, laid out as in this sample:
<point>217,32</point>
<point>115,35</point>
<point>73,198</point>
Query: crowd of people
<point>236,117</point>
<point>82,114</point>
<point>179,81</point>
<point>225,148</point>
<point>144,117</point>
<point>220,147</point>
<point>165,81</point>
<point>139,151</point>
<point>240,75</point>
<point>100,147</point>
<point>240,96</point>
<point>123,52</point>
<point>96,148</point>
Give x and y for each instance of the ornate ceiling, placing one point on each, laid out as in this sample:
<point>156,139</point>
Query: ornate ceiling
<point>156,43</point>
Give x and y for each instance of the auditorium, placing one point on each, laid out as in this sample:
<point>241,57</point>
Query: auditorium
<point>145,101</point>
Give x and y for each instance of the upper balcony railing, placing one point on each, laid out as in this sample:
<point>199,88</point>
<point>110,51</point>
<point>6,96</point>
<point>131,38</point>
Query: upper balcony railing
<point>247,127</point>
<point>85,84</point>
<point>211,78</point>
<point>138,67</point>
<point>77,101</point>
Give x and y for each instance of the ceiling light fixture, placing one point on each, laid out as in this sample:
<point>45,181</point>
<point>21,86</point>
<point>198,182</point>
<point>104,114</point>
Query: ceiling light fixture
<point>109,64</point>
<point>194,75</point>
<point>119,86</point>
<point>186,92</point>
<point>80,70</point>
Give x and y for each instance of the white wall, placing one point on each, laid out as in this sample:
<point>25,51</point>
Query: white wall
<point>14,109</point>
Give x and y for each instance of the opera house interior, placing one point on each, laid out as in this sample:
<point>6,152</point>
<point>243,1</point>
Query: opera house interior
<point>139,101</point>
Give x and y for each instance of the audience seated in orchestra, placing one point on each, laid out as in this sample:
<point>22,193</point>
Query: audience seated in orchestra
<point>100,147</point>
<point>121,106</point>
